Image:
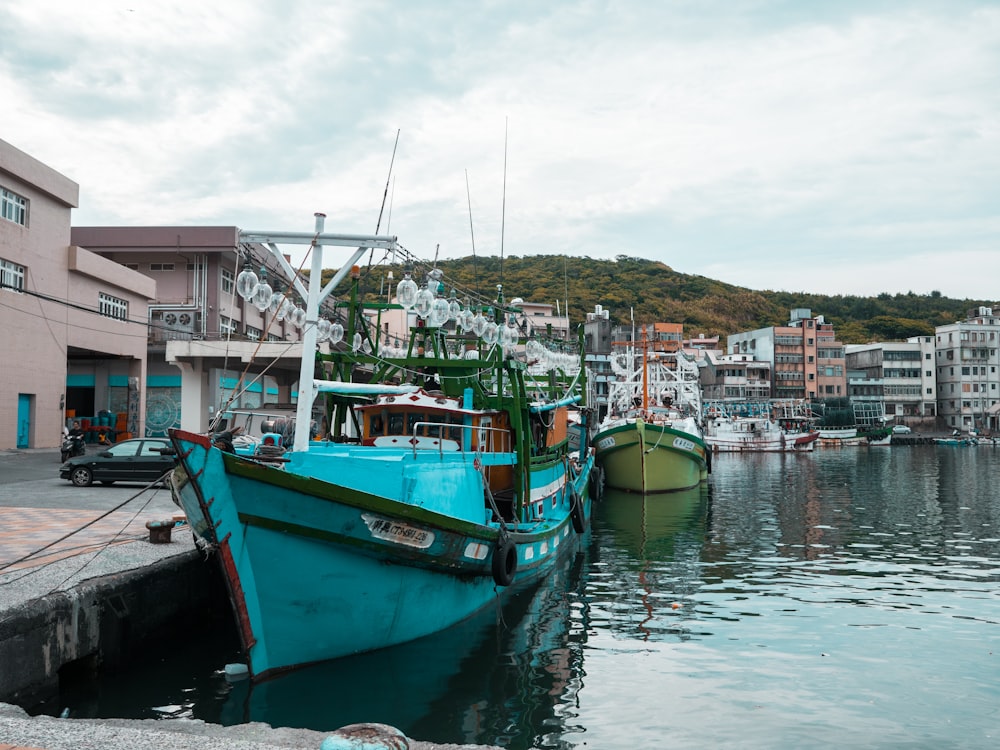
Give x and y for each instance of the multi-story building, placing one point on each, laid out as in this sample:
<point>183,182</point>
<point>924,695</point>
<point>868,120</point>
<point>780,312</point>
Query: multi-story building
<point>734,377</point>
<point>541,318</point>
<point>967,361</point>
<point>698,347</point>
<point>208,348</point>
<point>73,324</point>
<point>807,361</point>
<point>656,337</point>
<point>597,339</point>
<point>896,378</point>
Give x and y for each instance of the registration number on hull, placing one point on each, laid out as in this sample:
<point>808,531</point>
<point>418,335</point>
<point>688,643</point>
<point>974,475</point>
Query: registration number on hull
<point>397,532</point>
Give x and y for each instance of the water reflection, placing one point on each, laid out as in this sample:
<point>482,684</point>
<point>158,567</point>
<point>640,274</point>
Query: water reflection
<point>646,561</point>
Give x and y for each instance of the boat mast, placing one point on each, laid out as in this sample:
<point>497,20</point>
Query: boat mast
<point>307,367</point>
<point>645,373</point>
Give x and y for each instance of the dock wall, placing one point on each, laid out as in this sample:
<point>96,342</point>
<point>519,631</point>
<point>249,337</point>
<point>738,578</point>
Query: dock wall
<point>98,624</point>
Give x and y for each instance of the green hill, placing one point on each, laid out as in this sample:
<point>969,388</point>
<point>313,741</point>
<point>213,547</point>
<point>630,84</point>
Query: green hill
<point>658,293</point>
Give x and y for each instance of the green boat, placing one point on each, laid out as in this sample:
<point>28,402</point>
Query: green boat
<point>652,441</point>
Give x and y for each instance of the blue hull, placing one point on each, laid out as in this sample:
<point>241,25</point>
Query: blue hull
<point>347,549</point>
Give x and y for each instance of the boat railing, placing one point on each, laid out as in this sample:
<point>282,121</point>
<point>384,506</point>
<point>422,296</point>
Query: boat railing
<point>500,445</point>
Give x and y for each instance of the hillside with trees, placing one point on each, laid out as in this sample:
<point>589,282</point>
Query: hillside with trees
<point>658,293</point>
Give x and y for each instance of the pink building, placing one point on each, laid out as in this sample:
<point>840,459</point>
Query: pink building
<point>207,346</point>
<point>72,324</point>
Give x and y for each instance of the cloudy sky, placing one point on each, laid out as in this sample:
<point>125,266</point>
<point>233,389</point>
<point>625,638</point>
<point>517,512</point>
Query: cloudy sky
<point>826,146</point>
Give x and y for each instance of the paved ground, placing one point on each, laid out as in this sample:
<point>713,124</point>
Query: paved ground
<point>38,511</point>
<point>53,535</point>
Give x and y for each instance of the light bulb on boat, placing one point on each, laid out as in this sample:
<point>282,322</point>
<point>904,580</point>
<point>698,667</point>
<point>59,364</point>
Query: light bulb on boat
<point>466,318</point>
<point>440,312</point>
<point>423,303</point>
<point>491,333</point>
<point>406,292</point>
<point>336,333</point>
<point>479,324</point>
<point>323,326</point>
<point>247,283</point>
<point>262,295</point>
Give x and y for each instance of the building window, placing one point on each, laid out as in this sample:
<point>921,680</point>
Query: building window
<point>226,326</point>
<point>194,266</point>
<point>13,207</point>
<point>112,307</point>
<point>161,266</point>
<point>227,281</point>
<point>253,333</point>
<point>131,266</point>
<point>11,276</point>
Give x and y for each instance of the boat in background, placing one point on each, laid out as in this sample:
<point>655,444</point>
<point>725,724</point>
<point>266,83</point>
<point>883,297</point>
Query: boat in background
<point>759,427</point>
<point>870,427</point>
<point>446,475</point>
<point>651,441</point>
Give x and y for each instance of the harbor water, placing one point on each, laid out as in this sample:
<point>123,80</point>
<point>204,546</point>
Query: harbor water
<point>848,596</point>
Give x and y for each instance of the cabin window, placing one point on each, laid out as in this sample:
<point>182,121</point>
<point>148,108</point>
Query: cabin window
<point>396,424</point>
<point>411,421</point>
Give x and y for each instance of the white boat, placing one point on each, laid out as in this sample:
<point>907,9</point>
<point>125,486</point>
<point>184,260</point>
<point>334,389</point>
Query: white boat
<point>752,427</point>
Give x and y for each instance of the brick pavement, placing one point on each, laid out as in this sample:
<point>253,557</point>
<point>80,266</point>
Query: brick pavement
<point>25,531</point>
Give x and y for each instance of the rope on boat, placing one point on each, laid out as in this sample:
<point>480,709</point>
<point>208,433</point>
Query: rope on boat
<point>504,531</point>
<point>658,439</point>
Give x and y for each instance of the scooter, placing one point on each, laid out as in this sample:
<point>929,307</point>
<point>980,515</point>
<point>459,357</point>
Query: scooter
<point>73,445</point>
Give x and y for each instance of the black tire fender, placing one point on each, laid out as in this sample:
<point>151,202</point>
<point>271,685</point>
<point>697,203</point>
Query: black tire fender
<point>576,510</point>
<point>504,562</point>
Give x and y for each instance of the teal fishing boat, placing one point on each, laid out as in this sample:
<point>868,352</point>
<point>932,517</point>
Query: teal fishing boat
<point>445,475</point>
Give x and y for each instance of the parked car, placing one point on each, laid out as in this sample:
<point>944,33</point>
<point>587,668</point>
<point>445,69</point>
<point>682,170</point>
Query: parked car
<point>138,460</point>
<point>901,429</point>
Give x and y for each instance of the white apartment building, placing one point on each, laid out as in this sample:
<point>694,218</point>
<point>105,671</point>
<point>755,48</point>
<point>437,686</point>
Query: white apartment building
<point>734,377</point>
<point>898,375</point>
<point>968,371</point>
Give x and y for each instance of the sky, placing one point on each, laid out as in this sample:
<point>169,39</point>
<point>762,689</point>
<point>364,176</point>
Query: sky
<point>820,146</point>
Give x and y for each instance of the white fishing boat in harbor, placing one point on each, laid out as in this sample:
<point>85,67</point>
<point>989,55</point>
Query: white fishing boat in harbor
<point>765,427</point>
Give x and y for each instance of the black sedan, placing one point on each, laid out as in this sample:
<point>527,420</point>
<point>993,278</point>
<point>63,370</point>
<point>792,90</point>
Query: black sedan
<point>140,460</point>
